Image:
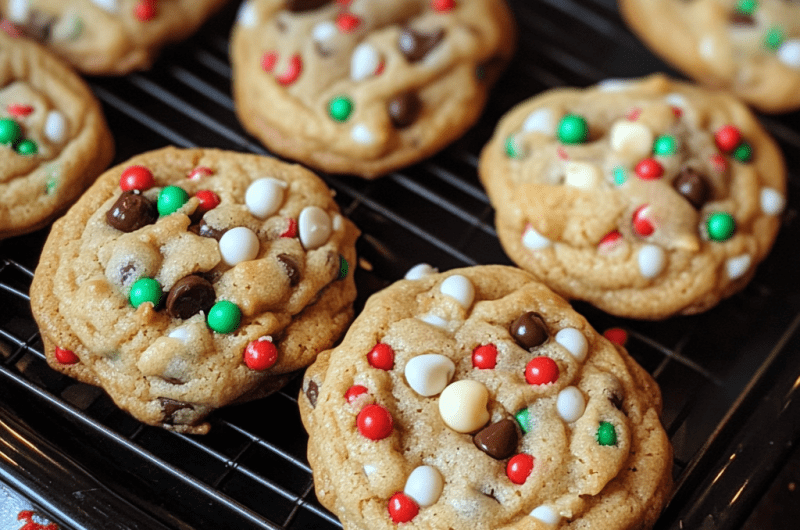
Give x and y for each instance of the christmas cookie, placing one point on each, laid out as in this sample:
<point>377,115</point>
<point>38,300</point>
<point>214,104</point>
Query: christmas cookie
<point>750,47</point>
<point>365,86</point>
<point>54,140</point>
<point>107,37</point>
<point>187,279</point>
<point>477,398</point>
<point>647,198</point>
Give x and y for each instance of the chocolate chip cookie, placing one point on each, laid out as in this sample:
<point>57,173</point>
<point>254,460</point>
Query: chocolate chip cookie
<point>477,398</point>
<point>187,279</point>
<point>365,86</point>
<point>647,198</point>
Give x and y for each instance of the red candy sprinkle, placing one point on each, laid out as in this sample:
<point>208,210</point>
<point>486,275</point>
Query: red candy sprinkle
<point>260,354</point>
<point>616,335</point>
<point>610,240</point>
<point>519,468</point>
<point>292,71</point>
<point>66,356</point>
<point>402,508</point>
<point>354,392</point>
<point>268,61</point>
<point>541,371</point>
<point>727,138</point>
<point>19,111</point>
<point>484,357</point>
<point>374,422</point>
<point>649,169</point>
<point>443,5</point>
<point>381,356</point>
<point>136,178</point>
<point>719,163</point>
<point>145,10</point>
<point>347,22</point>
<point>208,200</point>
<point>642,225</point>
<point>677,111</point>
<point>291,230</point>
<point>199,172</point>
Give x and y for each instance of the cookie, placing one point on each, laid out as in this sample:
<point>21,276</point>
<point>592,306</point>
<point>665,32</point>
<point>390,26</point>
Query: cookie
<point>749,47</point>
<point>647,198</point>
<point>54,140</point>
<point>108,37</point>
<point>365,86</point>
<point>184,280</point>
<point>477,398</point>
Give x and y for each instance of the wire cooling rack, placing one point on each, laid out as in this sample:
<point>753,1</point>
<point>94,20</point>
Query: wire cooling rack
<point>727,376</point>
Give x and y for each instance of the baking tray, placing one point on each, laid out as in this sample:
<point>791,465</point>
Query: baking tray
<point>729,377</point>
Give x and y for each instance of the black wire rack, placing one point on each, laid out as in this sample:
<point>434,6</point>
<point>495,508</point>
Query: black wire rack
<point>728,376</point>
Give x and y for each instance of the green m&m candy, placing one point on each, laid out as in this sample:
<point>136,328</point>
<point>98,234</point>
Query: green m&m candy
<point>523,417</point>
<point>720,226</point>
<point>340,108</point>
<point>774,37</point>
<point>224,317</point>
<point>145,290</point>
<point>743,152</point>
<point>9,131</point>
<point>572,129</point>
<point>746,7</point>
<point>665,145</point>
<point>27,148</point>
<point>170,199</point>
<point>606,434</point>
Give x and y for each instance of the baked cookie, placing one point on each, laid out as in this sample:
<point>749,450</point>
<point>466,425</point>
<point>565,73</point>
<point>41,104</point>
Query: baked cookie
<point>108,37</point>
<point>178,295</point>
<point>750,47</point>
<point>365,86</point>
<point>477,398</point>
<point>54,140</point>
<point>647,197</point>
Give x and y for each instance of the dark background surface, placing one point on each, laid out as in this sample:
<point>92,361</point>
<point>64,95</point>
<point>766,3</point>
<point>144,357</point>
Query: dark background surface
<point>728,376</point>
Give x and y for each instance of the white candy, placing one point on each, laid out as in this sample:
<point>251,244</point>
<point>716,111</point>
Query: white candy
<point>459,288</point>
<point>424,485</point>
<point>736,267</point>
<point>546,514</point>
<point>420,270</point>
<point>238,244</point>
<point>361,134</point>
<point>182,334</point>
<point>676,100</point>
<point>428,374</point>
<point>574,341</point>
<point>18,11</point>
<point>323,31</point>
<point>364,62</point>
<point>109,5</point>
<point>315,227</point>
<point>246,16</point>
<point>462,406</point>
<point>533,240</point>
<point>789,53</point>
<point>614,85</point>
<point>369,469</point>
<point>55,126</point>
<point>651,259</point>
<point>570,404</point>
<point>434,320</point>
<point>540,120</point>
<point>632,138</point>
<point>581,175</point>
<point>264,196</point>
<point>772,201</point>
<point>707,48</point>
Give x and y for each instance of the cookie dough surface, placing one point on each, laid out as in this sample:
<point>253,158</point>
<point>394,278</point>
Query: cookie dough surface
<point>365,86</point>
<point>647,198</point>
<point>749,47</point>
<point>477,398</point>
<point>108,37</point>
<point>209,279</point>
<point>54,140</point>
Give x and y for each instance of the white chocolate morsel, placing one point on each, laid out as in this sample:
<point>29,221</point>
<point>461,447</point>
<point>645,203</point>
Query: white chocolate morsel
<point>365,61</point>
<point>323,32</point>
<point>574,341</point>
<point>772,201</point>
<point>789,53</point>
<point>424,485</point>
<point>361,134</point>
<point>112,6</point>
<point>429,374</point>
<point>546,514</point>
<point>651,260</point>
<point>434,320</point>
<point>420,270</point>
<point>247,16</point>
<point>540,120</point>
<point>614,85</point>
<point>369,469</point>
<point>18,10</point>
<point>582,175</point>
<point>631,138</point>
<point>264,196</point>
<point>533,240</point>
<point>239,244</point>
<point>738,266</point>
<point>462,406</point>
<point>315,227</point>
<point>570,404</point>
<point>55,127</point>
<point>460,289</point>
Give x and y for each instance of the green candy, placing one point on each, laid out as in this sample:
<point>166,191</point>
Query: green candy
<point>224,317</point>
<point>511,147</point>
<point>774,38</point>
<point>746,7</point>
<point>145,290</point>
<point>665,146</point>
<point>171,199</point>
<point>620,176</point>
<point>340,108</point>
<point>343,268</point>
<point>27,148</point>
<point>606,434</point>
<point>523,417</point>
<point>743,152</point>
<point>10,131</point>
<point>572,129</point>
<point>720,226</point>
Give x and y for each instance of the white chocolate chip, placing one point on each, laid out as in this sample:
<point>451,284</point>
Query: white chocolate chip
<point>459,288</point>
<point>362,135</point>
<point>55,126</point>
<point>651,259</point>
<point>540,120</point>
<point>364,62</point>
<point>789,53</point>
<point>264,196</point>
<point>581,175</point>
<point>570,404</point>
<point>238,244</point>
<point>434,320</point>
<point>772,201</point>
<point>424,485</point>
<point>369,469</point>
<point>533,240</point>
<point>324,31</point>
<point>182,334</point>
<point>462,406</point>
<point>738,266</point>
<point>707,48</point>
<point>631,138</point>
<point>314,225</point>
<point>18,11</point>
<point>109,5</point>
<point>614,85</point>
<point>247,16</point>
<point>419,271</point>
<point>429,374</point>
<point>574,341</point>
<point>546,514</point>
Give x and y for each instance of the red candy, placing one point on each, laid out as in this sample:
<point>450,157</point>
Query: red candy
<point>402,508</point>
<point>610,240</point>
<point>347,22</point>
<point>616,335</point>
<point>260,354</point>
<point>519,468</point>
<point>484,357</point>
<point>633,114</point>
<point>562,153</point>
<point>66,356</point>
<point>719,163</point>
<point>374,422</point>
<point>208,200</point>
<point>649,169</point>
<point>541,371</point>
<point>642,224</point>
<point>145,10</point>
<point>443,5</point>
<point>291,230</point>
<point>199,172</point>
<point>268,61</point>
<point>727,138</point>
<point>381,356</point>
<point>19,111</point>
<point>292,72</point>
<point>354,392</point>
<point>136,178</point>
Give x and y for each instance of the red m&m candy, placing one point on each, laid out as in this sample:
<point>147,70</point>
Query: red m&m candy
<point>402,508</point>
<point>541,371</point>
<point>136,178</point>
<point>65,356</point>
<point>519,468</point>
<point>374,422</point>
<point>208,200</point>
<point>727,138</point>
<point>649,169</point>
<point>484,357</point>
<point>381,356</point>
<point>260,354</point>
<point>354,392</point>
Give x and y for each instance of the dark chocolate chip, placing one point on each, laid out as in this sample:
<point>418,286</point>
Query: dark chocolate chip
<point>415,45</point>
<point>131,212</point>
<point>312,393</point>
<point>298,6</point>
<point>498,440</point>
<point>171,407</point>
<point>203,229</point>
<point>742,19</point>
<point>189,296</point>
<point>292,268</point>
<point>127,272</point>
<point>404,109</point>
<point>692,186</point>
<point>529,330</point>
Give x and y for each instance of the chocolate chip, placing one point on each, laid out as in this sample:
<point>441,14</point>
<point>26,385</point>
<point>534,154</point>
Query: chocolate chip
<point>404,109</point>
<point>298,6</point>
<point>742,19</point>
<point>292,268</point>
<point>189,296</point>
<point>171,407</point>
<point>203,229</point>
<point>498,440</point>
<point>416,45</point>
<point>38,26</point>
<point>312,393</point>
<point>131,212</point>
<point>692,186</point>
<point>529,330</point>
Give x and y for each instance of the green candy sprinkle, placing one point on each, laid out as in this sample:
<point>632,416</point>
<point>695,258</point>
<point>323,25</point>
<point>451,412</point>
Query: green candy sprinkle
<point>145,290</point>
<point>746,7</point>
<point>774,38</point>
<point>27,148</point>
<point>572,129</point>
<point>620,176</point>
<point>743,152</point>
<point>606,434</point>
<point>171,199</point>
<point>224,317</point>
<point>720,226</point>
<point>512,149</point>
<point>10,131</point>
<point>340,108</point>
<point>665,146</point>
<point>343,268</point>
<point>523,417</point>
